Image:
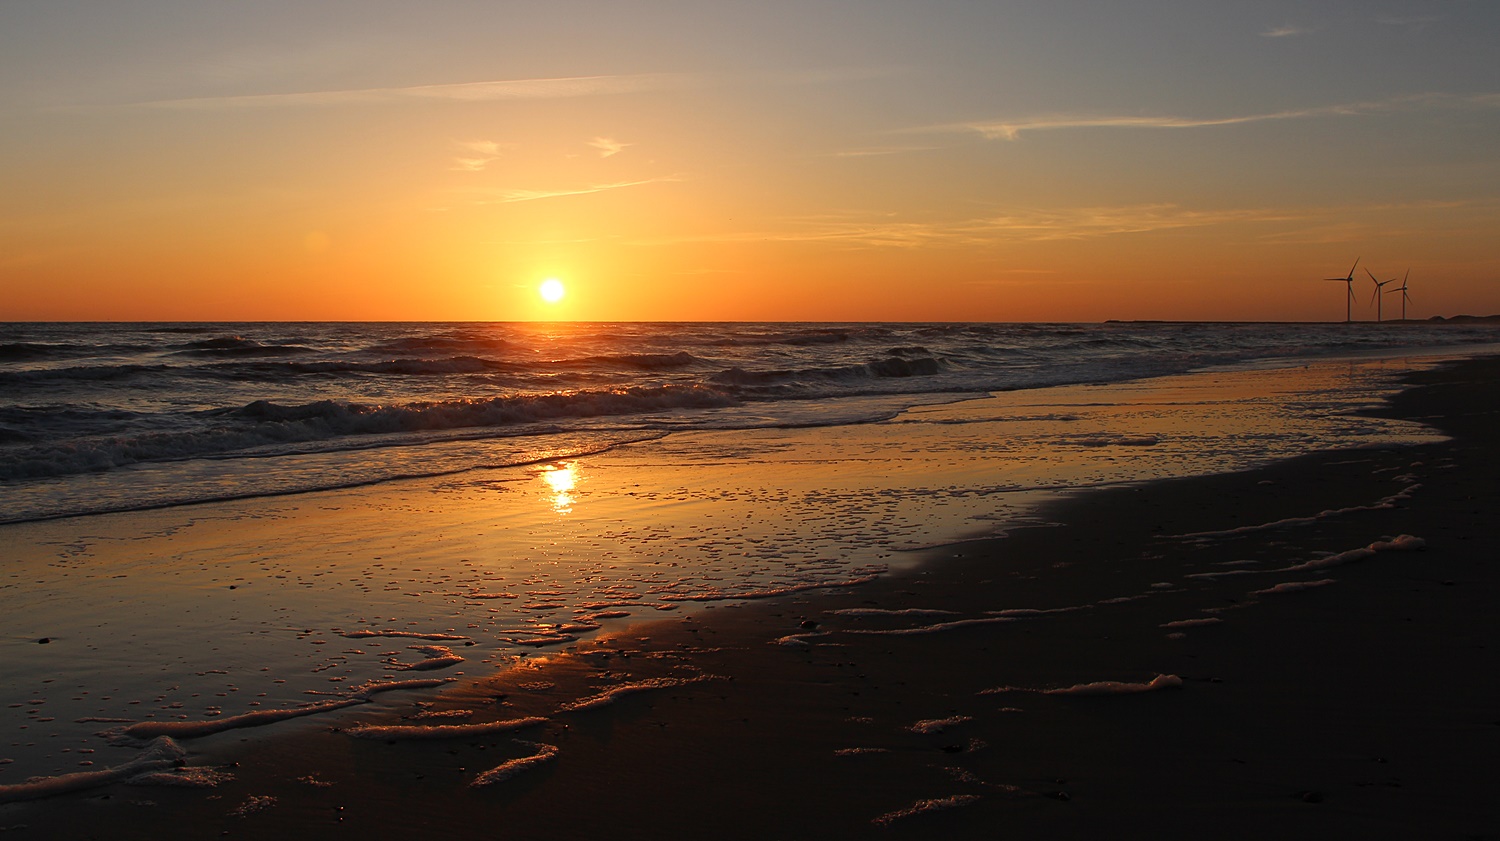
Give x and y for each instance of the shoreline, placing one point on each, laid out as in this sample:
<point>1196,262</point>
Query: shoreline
<point>1279,698</point>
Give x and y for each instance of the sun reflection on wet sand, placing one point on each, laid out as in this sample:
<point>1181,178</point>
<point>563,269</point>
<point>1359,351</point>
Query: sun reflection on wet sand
<point>561,479</point>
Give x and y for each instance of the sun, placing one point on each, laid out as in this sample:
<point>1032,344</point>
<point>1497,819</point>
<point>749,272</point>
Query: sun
<point>551,290</point>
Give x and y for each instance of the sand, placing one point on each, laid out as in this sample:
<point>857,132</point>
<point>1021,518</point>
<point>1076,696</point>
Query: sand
<point>1300,650</point>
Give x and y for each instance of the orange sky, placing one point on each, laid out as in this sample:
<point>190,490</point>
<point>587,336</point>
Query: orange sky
<point>1172,160</point>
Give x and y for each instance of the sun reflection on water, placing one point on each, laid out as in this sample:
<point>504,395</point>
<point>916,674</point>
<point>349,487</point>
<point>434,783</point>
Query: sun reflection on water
<point>561,479</point>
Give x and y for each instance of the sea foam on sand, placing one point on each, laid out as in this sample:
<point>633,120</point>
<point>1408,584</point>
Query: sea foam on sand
<point>441,731</point>
<point>505,770</point>
<point>161,755</point>
<point>930,805</point>
<point>1102,687</point>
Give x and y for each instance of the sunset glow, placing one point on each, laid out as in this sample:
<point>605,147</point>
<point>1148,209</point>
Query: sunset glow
<point>551,290</point>
<point>1000,162</point>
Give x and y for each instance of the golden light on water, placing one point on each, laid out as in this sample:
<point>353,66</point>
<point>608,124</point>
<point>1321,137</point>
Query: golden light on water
<point>561,479</point>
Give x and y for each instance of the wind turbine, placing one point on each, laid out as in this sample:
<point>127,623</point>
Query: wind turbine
<point>1405,295</point>
<point>1379,287</point>
<point>1349,300</point>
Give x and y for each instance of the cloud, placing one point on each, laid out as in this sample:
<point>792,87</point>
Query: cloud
<point>1285,31</point>
<point>508,196</point>
<point>1418,22</point>
<point>876,151</point>
<point>1022,225</point>
<point>607,147</point>
<point>508,89</point>
<point>484,152</point>
<point>1012,129</point>
<point>483,147</point>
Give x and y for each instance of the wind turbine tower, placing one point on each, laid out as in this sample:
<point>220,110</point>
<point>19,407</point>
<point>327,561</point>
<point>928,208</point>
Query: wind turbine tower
<point>1405,295</point>
<point>1349,284</point>
<point>1379,287</point>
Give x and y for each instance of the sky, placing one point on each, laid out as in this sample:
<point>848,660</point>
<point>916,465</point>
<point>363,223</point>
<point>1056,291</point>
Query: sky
<point>793,161</point>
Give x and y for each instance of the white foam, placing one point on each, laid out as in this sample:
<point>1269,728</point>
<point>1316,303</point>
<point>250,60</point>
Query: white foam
<point>880,611</point>
<point>922,806</point>
<point>1293,586</point>
<point>194,729</point>
<point>159,756</point>
<point>766,593</point>
<point>364,691</point>
<point>1017,612</point>
<point>609,696</point>
<point>438,657</point>
<point>506,770</point>
<point>359,635</point>
<point>938,725</point>
<point>1402,543</point>
<point>1115,687</point>
<point>1117,441</point>
<point>935,629</point>
<point>798,639</point>
<point>1383,504</point>
<point>254,803</point>
<point>440,731</point>
<point>1102,687</point>
<point>199,777</point>
<point>1192,623</point>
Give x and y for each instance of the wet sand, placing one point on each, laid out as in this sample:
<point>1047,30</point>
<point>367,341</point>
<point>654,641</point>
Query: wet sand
<point>1339,684</point>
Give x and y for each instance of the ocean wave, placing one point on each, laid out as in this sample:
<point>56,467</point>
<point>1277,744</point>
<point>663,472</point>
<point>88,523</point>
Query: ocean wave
<point>797,338</point>
<point>344,418</point>
<point>273,371</point>
<point>647,361</point>
<point>89,373</point>
<point>419,367</point>
<point>239,346</point>
<point>264,424</point>
<point>30,351</point>
<point>887,368</point>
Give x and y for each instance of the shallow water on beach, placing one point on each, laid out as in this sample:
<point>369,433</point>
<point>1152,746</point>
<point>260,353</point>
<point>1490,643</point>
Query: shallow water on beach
<point>217,610</point>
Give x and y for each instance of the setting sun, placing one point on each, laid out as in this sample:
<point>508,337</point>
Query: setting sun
<point>552,290</point>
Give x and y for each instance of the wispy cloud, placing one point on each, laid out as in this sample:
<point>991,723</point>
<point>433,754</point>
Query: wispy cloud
<point>1015,226</point>
<point>876,151</point>
<point>515,195</point>
<point>1287,31</point>
<point>507,89</point>
<point>481,153</point>
<point>1271,225</point>
<point>1012,129</point>
<point>1417,22</point>
<point>607,146</point>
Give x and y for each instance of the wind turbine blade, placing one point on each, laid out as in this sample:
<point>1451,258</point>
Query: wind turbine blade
<point>1353,267</point>
<point>1371,274</point>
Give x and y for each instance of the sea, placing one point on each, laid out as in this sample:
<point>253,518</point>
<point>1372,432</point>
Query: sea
<point>112,417</point>
<point>211,527</point>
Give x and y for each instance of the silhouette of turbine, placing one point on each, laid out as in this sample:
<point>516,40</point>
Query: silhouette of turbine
<point>1405,295</point>
<point>1348,299</point>
<point>1379,287</point>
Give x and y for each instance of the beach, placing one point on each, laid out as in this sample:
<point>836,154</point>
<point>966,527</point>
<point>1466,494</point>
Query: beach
<point>1280,641</point>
